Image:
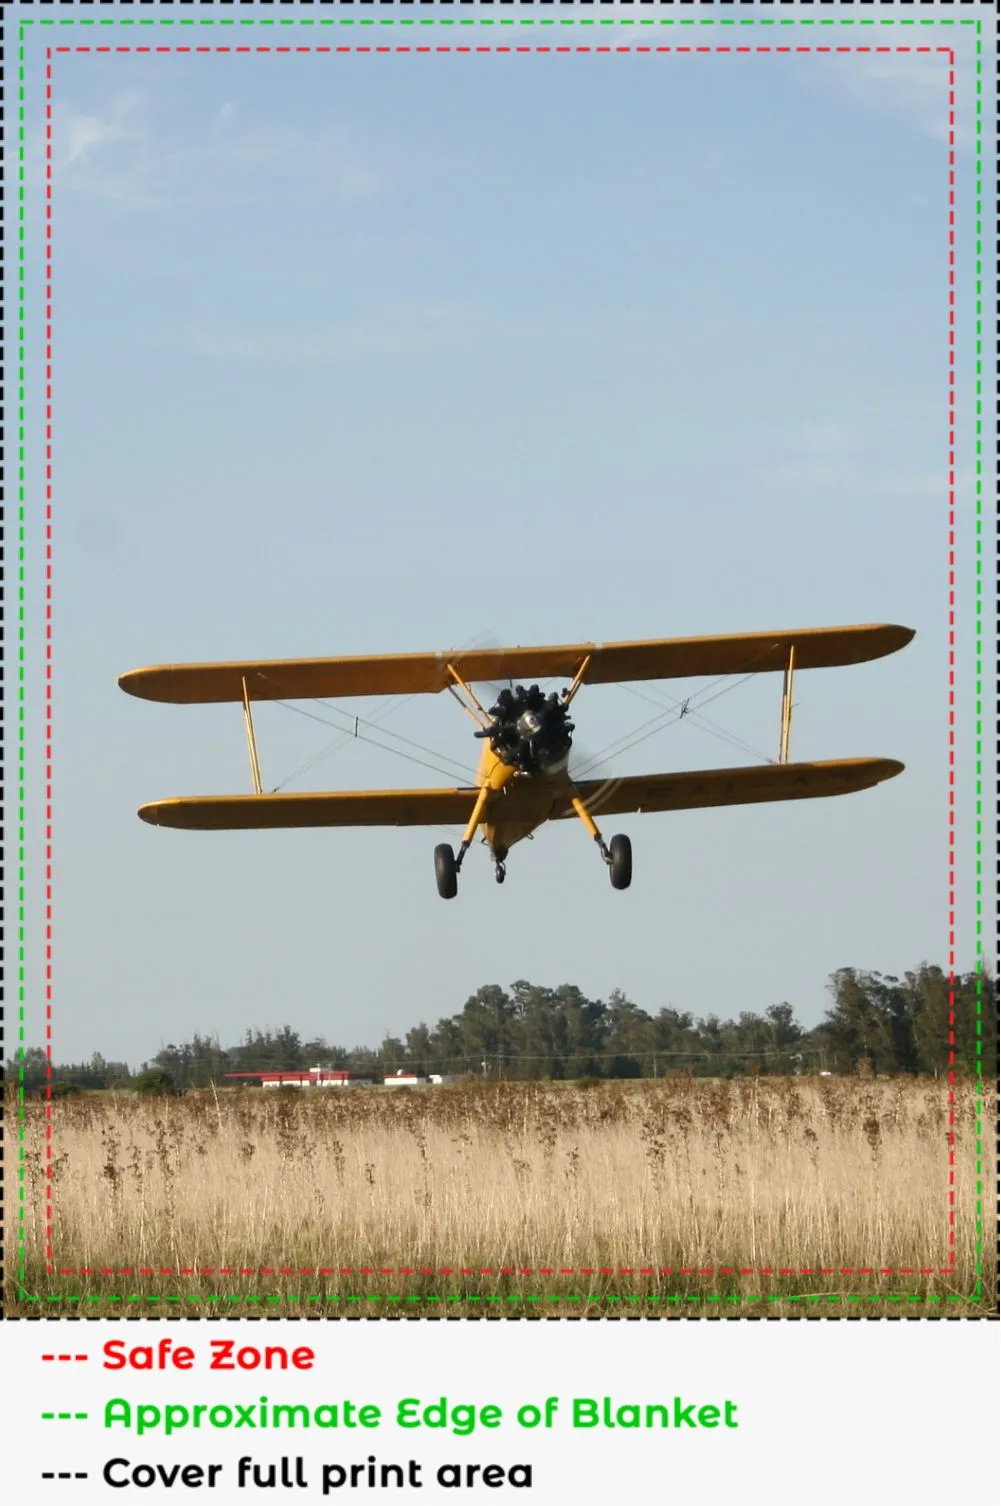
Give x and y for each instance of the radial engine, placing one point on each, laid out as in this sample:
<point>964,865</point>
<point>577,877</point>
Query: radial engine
<point>530,731</point>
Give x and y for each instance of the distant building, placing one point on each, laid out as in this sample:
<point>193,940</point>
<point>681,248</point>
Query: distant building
<point>403,1078</point>
<point>310,1077</point>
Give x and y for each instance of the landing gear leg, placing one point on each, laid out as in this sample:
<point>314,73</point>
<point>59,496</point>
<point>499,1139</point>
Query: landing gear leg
<point>618,856</point>
<point>446,862</point>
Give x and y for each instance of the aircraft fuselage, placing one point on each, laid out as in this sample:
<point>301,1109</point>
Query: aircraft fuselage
<point>528,740</point>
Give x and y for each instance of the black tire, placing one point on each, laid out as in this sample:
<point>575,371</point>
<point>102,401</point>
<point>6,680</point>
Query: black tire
<point>620,869</point>
<point>445,871</point>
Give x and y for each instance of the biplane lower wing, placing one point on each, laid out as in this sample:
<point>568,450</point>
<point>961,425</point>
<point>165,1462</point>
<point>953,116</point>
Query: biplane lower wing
<point>596,664</point>
<point>520,800</point>
<point>743,786</point>
<point>335,808</point>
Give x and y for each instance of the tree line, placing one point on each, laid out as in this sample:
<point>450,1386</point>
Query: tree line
<point>876,1023</point>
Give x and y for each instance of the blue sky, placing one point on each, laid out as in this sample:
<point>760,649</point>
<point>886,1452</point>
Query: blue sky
<point>392,353</point>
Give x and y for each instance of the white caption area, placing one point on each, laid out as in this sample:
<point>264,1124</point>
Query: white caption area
<point>798,1413</point>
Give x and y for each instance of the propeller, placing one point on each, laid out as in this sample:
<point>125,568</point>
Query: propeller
<point>584,765</point>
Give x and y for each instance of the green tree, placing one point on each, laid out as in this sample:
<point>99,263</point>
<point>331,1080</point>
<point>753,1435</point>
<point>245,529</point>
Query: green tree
<point>785,1030</point>
<point>630,1038</point>
<point>584,1031</point>
<point>858,1027</point>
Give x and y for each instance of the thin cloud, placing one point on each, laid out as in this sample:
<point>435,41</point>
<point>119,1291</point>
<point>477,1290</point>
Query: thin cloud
<point>398,333</point>
<point>103,155</point>
<point>78,137</point>
<point>829,455</point>
<point>129,158</point>
<point>401,332</point>
<point>908,88</point>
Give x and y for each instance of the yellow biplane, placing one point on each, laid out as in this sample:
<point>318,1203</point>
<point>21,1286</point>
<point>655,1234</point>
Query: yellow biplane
<point>523,778</point>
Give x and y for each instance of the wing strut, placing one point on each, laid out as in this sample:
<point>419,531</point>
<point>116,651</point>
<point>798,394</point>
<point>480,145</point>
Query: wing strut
<point>248,720</point>
<point>475,710</point>
<point>786,706</point>
<point>578,681</point>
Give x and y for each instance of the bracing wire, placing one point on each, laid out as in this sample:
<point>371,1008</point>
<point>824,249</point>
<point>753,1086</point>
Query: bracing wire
<point>667,716</point>
<point>396,704</point>
<point>437,769</point>
<point>341,741</point>
<point>661,722</point>
<point>704,723</point>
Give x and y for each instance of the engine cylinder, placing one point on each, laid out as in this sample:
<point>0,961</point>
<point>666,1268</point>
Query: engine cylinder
<point>530,731</point>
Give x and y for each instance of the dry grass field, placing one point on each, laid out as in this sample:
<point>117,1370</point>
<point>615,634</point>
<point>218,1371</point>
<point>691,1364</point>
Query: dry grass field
<point>675,1197</point>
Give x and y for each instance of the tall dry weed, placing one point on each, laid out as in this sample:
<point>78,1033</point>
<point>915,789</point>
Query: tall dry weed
<point>751,1175</point>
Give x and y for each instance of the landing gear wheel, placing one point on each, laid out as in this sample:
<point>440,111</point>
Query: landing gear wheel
<point>445,872</point>
<point>620,865</point>
<point>500,873</point>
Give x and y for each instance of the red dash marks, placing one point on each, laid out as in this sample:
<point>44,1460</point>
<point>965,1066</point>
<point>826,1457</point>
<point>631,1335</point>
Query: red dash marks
<point>48,660</point>
<point>952,658</point>
<point>64,1357</point>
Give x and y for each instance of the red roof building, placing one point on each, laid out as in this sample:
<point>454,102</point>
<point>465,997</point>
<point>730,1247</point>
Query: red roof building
<point>310,1077</point>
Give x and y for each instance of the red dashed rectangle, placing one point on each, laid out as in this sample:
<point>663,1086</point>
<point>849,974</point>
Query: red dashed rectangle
<point>554,1268</point>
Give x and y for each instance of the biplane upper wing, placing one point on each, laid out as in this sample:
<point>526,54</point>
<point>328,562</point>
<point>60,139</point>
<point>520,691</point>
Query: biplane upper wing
<point>608,663</point>
<point>743,786</point>
<point>333,808</point>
